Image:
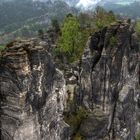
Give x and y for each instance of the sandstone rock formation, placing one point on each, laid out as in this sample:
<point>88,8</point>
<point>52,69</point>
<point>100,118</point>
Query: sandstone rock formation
<point>43,101</point>
<point>32,94</point>
<point>108,82</point>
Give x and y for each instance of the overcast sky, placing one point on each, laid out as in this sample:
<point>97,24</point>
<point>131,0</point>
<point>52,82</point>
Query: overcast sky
<point>87,3</point>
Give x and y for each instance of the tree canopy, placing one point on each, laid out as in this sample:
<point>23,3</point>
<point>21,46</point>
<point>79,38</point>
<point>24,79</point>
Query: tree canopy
<point>72,39</point>
<point>103,17</point>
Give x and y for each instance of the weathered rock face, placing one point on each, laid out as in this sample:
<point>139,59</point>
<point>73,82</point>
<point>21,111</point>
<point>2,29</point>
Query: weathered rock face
<point>108,80</point>
<point>32,94</point>
<point>36,95</point>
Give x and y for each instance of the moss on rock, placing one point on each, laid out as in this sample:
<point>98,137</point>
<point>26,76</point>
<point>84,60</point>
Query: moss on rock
<point>75,119</point>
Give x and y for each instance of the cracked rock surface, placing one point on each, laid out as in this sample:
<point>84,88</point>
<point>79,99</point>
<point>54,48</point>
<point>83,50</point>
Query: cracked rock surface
<point>35,94</point>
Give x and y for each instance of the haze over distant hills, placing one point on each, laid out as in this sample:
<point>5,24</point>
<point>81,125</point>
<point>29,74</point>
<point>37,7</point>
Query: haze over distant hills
<point>84,4</point>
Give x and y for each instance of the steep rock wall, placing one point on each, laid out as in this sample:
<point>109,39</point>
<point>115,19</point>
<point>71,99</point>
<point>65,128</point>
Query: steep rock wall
<point>31,94</point>
<point>108,82</point>
<point>38,98</point>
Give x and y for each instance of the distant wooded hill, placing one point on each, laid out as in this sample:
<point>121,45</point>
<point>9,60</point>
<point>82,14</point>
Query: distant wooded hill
<point>131,10</point>
<point>23,18</point>
<point>26,17</point>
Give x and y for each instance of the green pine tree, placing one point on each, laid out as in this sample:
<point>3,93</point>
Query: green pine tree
<point>72,39</point>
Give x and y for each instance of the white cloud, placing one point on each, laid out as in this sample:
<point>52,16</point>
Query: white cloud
<point>87,3</point>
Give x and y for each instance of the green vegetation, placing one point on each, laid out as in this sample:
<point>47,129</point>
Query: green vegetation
<point>75,31</point>
<point>78,137</point>
<point>137,28</point>
<point>97,19</point>
<point>72,41</point>
<point>103,18</point>
<point>137,137</point>
<point>113,41</point>
<point>2,47</point>
<point>35,15</point>
<point>75,119</point>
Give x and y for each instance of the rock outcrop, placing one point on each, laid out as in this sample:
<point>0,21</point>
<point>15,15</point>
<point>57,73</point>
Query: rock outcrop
<point>32,94</point>
<point>97,98</point>
<point>108,81</point>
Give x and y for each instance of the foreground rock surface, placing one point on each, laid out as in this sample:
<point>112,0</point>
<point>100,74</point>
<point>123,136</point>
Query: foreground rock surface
<point>108,80</point>
<point>32,94</point>
<point>36,96</point>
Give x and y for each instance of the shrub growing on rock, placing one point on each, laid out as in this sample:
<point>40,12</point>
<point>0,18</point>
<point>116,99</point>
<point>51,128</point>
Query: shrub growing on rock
<point>137,28</point>
<point>103,18</point>
<point>113,41</point>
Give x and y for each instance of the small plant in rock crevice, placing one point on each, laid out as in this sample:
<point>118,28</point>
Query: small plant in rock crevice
<point>113,41</point>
